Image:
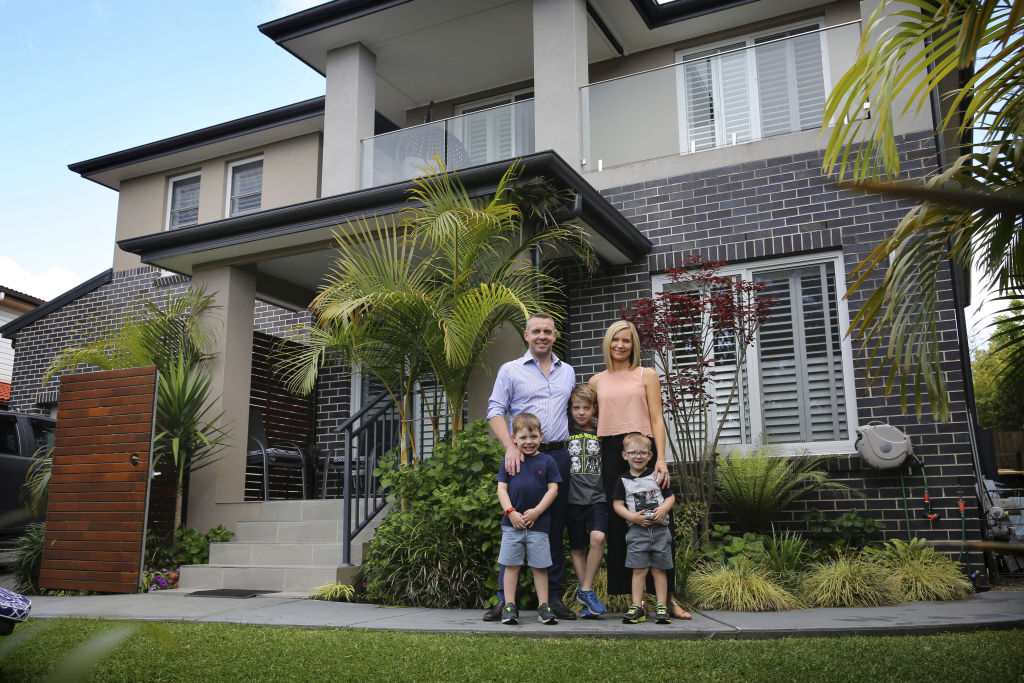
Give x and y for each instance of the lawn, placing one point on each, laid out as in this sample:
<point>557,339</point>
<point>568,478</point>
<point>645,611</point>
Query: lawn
<point>231,652</point>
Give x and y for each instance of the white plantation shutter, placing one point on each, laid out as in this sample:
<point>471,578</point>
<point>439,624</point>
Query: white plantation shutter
<point>699,114</point>
<point>733,82</point>
<point>802,389</point>
<point>246,187</point>
<point>790,81</point>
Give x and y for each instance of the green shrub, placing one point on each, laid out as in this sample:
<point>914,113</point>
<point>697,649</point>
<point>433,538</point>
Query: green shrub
<point>920,572</point>
<point>787,553</point>
<point>756,486</point>
<point>849,531</point>
<point>191,547</point>
<point>28,558</point>
<point>455,489</point>
<point>333,592</point>
<point>848,581</point>
<point>425,562</point>
<point>725,548</point>
<point>742,586</point>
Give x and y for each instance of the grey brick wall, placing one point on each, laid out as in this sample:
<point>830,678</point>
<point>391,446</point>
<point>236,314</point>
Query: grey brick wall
<point>38,343</point>
<point>779,207</point>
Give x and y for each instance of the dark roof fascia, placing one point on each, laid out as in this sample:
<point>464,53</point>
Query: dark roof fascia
<point>384,200</point>
<point>11,329</point>
<point>656,16</point>
<point>321,17</point>
<point>291,113</point>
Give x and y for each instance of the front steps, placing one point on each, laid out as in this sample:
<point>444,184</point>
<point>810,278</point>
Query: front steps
<point>295,547</point>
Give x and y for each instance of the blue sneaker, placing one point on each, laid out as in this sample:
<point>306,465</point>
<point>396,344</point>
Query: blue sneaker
<point>590,601</point>
<point>587,614</point>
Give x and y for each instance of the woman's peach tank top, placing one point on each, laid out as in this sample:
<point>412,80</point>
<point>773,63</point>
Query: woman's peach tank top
<point>622,402</point>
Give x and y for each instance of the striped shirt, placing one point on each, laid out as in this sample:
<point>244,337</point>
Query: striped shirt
<point>522,387</point>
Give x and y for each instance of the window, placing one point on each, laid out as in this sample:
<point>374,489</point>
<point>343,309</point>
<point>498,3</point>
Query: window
<point>245,186</point>
<point>183,201</point>
<point>800,364</point>
<point>490,131</point>
<point>9,441</point>
<point>751,88</point>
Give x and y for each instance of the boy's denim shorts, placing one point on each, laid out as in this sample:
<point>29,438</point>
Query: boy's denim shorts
<point>649,546</point>
<point>580,520</point>
<point>524,546</point>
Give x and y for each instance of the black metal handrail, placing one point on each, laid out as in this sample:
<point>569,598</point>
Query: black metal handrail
<point>366,437</point>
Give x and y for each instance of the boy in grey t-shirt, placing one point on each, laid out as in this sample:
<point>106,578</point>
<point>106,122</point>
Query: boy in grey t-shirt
<point>587,514</point>
<point>645,505</point>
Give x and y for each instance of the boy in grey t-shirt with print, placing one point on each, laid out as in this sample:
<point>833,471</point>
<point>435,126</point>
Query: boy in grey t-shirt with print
<point>645,505</point>
<point>588,506</point>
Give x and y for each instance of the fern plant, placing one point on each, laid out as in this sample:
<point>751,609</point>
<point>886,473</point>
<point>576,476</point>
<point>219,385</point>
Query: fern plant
<point>756,486</point>
<point>920,572</point>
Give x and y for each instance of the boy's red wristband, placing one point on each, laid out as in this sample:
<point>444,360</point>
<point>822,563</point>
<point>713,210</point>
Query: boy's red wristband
<point>510,510</point>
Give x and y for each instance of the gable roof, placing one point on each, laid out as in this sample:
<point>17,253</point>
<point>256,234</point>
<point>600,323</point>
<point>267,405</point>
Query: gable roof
<point>10,330</point>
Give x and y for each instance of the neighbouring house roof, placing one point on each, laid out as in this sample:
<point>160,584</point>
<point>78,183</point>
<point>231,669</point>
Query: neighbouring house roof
<point>291,245</point>
<point>10,330</point>
<point>21,296</point>
<point>5,392</point>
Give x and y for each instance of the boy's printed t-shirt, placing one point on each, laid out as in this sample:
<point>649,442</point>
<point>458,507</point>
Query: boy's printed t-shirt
<point>526,488</point>
<point>586,486</point>
<point>641,493</point>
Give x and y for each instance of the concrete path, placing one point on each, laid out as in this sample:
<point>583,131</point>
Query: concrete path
<point>994,609</point>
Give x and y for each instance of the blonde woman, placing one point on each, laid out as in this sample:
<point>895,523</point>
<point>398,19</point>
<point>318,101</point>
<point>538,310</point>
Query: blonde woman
<point>629,400</point>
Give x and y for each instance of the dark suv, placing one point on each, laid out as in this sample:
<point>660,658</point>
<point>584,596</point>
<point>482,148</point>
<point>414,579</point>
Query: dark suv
<point>21,436</point>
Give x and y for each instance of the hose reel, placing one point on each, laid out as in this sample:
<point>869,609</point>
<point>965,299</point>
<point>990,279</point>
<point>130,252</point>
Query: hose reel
<point>883,446</point>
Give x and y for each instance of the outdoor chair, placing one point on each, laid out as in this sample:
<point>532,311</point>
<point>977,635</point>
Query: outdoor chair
<point>262,453</point>
<point>335,460</point>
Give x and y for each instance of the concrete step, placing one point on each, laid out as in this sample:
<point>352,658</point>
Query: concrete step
<point>279,578</point>
<point>272,554</point>
<point>310,531</point>
<point>302,510</point>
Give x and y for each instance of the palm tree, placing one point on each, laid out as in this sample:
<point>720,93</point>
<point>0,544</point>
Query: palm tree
<point>425,294</point>
<point>971,211</point>
<point>176,338</point>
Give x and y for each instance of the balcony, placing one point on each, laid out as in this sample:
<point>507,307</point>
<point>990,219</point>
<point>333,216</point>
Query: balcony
<point>479,137</point>
<point>744,90</point>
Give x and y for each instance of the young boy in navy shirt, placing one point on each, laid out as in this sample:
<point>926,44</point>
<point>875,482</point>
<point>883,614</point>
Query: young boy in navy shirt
<point>525,497</point>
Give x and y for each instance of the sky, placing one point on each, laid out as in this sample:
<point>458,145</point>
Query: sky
<point>85,78</point>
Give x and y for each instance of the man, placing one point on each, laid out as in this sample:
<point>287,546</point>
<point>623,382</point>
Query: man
<point>538,383</point>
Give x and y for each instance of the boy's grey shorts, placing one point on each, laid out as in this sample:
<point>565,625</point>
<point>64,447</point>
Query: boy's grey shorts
<point>518,545</point>
<point>649,547</point>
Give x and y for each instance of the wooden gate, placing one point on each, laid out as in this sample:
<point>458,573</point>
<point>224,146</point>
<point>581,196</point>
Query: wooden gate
<point>96,515</point>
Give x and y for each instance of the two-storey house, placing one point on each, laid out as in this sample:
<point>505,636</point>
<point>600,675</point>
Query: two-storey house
<point>683,127</point>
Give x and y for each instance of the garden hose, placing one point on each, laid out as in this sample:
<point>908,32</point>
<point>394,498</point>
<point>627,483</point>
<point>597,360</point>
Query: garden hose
<point>906,506</point>
<point>931,514</point>
<point>963,526</point>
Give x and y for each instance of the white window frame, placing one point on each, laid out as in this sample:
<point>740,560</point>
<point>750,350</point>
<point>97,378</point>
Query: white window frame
<point>750,42</point>
<point>751,365</point>
<point>170,199</point>
<point>230,181</point>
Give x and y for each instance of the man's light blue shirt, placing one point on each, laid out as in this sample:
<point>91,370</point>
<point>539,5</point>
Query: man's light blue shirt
<point>522,387</point>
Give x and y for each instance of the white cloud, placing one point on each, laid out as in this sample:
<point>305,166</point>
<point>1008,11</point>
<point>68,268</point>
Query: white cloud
<point>55,280</point>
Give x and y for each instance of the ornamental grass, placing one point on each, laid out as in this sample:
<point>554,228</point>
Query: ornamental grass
<point>739,587</point>
<point>848,581</point>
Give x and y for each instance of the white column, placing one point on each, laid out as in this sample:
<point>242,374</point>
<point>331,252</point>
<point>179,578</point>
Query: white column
<point>559,70</point>
<point>234,291</point>
<point>348,118</point>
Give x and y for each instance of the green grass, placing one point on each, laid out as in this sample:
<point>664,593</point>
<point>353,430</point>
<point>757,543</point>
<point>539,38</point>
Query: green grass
<point>177,651</point>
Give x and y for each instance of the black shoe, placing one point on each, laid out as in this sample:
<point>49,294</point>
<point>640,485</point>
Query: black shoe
<point>493,614</point>
<point>561,611</point>
<point>510,614</point>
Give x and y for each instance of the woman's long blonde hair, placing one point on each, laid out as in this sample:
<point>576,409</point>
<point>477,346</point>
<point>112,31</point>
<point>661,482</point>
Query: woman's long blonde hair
<point>614,329</point>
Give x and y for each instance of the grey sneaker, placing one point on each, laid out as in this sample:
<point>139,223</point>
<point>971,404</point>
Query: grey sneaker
<point>661,615</point>
<point>561,611</point>
<point>546,615</point>
<point>510,614</point>
<point>493,614</point>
